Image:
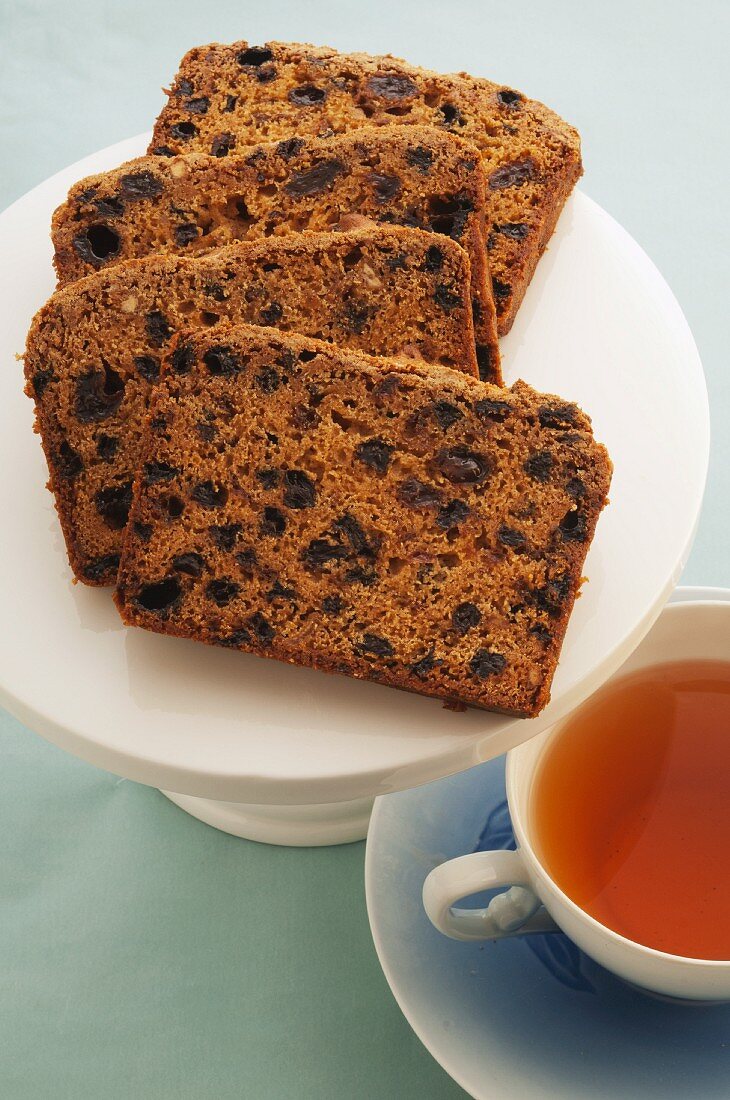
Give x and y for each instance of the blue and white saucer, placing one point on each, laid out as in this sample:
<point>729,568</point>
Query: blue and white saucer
<point>530,1018</point>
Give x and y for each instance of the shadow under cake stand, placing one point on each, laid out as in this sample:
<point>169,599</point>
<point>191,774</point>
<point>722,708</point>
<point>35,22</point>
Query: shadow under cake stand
<point>292,756</point>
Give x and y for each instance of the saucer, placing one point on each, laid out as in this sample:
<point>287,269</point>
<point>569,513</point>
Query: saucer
<point>530,1018</point>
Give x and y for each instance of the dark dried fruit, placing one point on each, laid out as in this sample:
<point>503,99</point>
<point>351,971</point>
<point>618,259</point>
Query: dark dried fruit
<point>159,471</point>
<point>557,416</point>
<point>303,416</point>
<point>290,147</point>
<point>434,259</point>
<point>224,535</point>
<point>158,328</point>
<point>222,144</point>
<point>385,188</point>
<point>501,290</point>
<point>271,314</point>
<point>140,185</point>
<point>485,663</point>
<point>542,633</point>
<point>299,490</point>
<point>487,409</point>
<point>175,507</point>
<point>41,379</point>
<point>96,244</point>
<point>516,231</point>
<point>278,591</point>
<point>307,95</point>
<point>374,453</point>
<point>98,395</point>
<point>449,216</point>
<point>109,207</point>
<point>446,414</point>
<point>207,432</point>
<point>68,462</point>
<point>185,233</point>
<point>398,262</point>
<point>575,487</point>
<point>268,380</point>
<point>321,551</point>
<point>183,87</point>
<point>102,569</point>
<point>191,564</point>
<point>236,639</point>
<point>160,596</point>
<point>273,522</point>
<point>183,358</point>
<point>465,616</point>
<point>417,494</point>
<point>391,86</point>
<point>420,158</point>
<point>357,316</point>
<point>197,106</point>
<point>163,151</point>
<point>452,514</point>
<point>184,130</point>
<point>221,360</point>
<point>147,367</point>
<point>446,298</point>
<point>553,594</point>
<point>206,494</point>
<point>355,535</point>
<point>539,465</point>
<point>254,56</point>
<point>313,180</point>
<point>512,175</point>
<point>424,665</point>
<point>332,605</point>
<point>268,478</point>
<point>113,504</point>
<point>359,575</point>
<point>221,591</point>
<point>143,531</point>
<point>375,645</point>
<point>452,116</point>
<point>508,536</point>
<point>262,628</point>
<point>461,466</point>
<point>508,98</point>
<point>573,526</point>
<point>231,101</point>
<point>106,447</point>
<point>247,559</point>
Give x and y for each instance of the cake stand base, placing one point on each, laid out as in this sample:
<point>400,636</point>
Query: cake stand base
<point>295,826</point>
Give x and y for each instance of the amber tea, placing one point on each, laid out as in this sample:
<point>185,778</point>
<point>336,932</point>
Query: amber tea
<point>631,808</point>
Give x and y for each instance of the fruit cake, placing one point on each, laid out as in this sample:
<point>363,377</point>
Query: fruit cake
<point>94,349</point>
<point>416,527</point>
<point>228,96</point>
<point>423,178</point>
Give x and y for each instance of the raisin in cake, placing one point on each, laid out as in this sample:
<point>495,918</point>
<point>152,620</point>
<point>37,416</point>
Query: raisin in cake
<point>226,96</point>
<point>420,528</point>
<point>94,349</point>
<point>190,204</point>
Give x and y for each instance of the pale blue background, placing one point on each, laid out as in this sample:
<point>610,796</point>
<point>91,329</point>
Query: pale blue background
<point>142,954</point>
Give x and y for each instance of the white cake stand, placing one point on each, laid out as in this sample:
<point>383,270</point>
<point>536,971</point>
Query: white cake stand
<point>292,756</point>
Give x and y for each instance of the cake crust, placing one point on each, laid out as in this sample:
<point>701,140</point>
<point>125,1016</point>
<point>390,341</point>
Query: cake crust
<point>426,531</point>
<point>226,96</point>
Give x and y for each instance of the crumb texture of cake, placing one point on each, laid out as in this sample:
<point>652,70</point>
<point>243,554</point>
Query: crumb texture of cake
<point>419,178</point>
<point>416,527</point>
<point>228,96</point>
<point>95,349</point>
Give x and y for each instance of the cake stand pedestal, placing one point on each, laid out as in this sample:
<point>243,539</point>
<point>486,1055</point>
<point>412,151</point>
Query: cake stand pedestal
<point>295,826</point>
<point>292,756</point>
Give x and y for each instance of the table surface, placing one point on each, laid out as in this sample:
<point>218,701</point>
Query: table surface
<point>145,954</point>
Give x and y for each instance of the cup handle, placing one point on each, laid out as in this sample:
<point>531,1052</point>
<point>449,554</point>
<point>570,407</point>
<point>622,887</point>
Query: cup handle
<point>516,912</point>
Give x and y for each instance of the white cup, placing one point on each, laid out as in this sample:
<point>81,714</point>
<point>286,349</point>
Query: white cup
<point>534,903</point>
